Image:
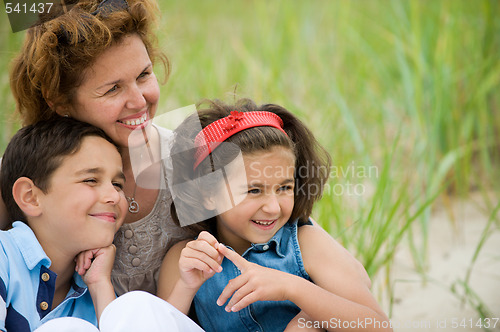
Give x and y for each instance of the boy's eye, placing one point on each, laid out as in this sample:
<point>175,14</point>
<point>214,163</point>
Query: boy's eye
<point>90,181</point>
<point>144,74</point>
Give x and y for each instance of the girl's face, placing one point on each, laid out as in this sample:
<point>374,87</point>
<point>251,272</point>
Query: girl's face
<point>119,92</point>
<point>268,203</point>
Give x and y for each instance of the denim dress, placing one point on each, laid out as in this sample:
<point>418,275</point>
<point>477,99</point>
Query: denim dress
<point>282,253</point>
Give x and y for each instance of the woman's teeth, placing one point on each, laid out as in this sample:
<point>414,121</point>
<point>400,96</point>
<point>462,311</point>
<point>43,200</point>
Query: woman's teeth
<point>135,122</point>
<point>265,223</point>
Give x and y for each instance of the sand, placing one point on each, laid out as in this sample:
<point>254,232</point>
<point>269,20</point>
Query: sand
<point>454,234</point>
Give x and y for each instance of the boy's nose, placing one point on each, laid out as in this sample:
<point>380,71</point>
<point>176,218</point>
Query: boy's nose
<point>110,194</point>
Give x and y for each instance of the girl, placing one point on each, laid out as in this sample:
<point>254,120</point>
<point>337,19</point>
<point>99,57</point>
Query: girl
<point>251,175</point>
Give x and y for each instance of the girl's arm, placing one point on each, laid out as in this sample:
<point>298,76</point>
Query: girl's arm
<point>340,292</point>
<point>186,267</point>
<point>341,289</point>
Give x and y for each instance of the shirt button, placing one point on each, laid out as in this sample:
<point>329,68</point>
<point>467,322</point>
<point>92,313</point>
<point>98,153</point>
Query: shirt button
<point>265,247</point>
<point>132,249</point>
<point>45,276</point>
<point>136,262</point>
<point>129,234</point>
<point>44,305</point>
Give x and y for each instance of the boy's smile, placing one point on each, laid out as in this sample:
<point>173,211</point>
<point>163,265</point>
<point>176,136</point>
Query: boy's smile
<point>268,203</point>
<point>84,205</point>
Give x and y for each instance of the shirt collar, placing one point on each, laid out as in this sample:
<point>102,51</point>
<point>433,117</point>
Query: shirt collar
<point>276,243</point>
<point>29,246</point>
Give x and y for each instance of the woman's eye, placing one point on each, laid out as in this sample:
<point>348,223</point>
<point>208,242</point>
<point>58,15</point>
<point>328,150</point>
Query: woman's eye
<point>254,191</point>
<point>113,89</point>
<point>118,186</point>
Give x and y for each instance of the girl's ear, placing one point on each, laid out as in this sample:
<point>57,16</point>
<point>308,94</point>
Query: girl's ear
<point>26,195</point>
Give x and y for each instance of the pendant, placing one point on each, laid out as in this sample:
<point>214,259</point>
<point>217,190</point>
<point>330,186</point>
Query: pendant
<point>133,206</point>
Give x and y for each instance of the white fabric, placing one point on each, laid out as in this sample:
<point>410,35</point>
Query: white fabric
<point>3,310</point>
<point>133,311</point>
<point>67,324</point>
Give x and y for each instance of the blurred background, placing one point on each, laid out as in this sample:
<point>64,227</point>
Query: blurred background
<point>405,95</point>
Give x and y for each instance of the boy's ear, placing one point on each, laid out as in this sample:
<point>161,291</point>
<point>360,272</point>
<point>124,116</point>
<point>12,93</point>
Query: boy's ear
<point>26,195</point>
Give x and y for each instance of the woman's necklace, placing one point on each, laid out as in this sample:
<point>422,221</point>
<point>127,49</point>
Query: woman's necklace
<point>133,206</point>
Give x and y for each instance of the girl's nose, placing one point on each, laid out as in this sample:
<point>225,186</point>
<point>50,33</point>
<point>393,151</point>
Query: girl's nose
<point>271,205</point>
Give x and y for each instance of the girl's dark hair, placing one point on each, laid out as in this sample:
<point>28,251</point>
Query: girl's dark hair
<point>311,167</point>
<point>36,151</point>
<point>55,54</point>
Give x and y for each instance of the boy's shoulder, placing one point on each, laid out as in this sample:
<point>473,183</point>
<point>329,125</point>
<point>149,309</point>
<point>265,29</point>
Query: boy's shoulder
<point>21,248</point>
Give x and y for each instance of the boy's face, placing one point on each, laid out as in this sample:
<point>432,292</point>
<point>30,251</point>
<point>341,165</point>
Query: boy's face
<point>84,205</point>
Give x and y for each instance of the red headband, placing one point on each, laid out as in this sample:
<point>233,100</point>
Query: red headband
<point>218,131</point>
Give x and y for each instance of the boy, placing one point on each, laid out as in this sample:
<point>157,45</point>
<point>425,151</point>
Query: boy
<point>62,182</point>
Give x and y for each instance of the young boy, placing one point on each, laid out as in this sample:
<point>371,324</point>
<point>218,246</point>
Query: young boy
<point>61,181</point>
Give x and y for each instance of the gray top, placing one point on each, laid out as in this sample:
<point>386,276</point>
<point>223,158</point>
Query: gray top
<point>141,245</point>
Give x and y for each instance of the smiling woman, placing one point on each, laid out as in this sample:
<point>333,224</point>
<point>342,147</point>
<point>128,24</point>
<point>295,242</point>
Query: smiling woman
<point>95,62</point>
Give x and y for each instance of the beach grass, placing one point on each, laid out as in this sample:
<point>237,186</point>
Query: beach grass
<point>405,95</point>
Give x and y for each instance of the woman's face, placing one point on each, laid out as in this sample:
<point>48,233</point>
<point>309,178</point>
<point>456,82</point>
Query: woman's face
<point>119,92</point>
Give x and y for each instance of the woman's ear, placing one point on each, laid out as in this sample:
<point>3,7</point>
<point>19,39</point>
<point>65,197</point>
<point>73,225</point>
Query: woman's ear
<point>60,109</point>
<point>26,194</point>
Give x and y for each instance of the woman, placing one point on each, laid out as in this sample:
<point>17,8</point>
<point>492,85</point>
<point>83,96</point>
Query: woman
<point>95,63</point>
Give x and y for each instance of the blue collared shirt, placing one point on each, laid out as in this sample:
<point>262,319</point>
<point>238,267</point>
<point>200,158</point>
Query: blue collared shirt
<point>27,285</point>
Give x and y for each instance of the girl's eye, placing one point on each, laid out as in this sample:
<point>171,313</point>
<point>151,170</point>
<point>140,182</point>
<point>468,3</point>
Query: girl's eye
<point>286,188</point>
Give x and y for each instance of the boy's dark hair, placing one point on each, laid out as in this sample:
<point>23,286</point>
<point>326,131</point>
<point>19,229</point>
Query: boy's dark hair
<point>36,151</point>
<point>312,163</point>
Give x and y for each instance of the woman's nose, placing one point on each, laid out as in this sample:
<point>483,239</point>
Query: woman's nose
<point>136,99</point>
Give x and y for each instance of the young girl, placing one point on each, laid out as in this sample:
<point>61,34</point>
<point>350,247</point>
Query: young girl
<point>251,175</point>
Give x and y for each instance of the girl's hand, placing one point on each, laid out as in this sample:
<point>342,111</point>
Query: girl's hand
<point>256,283</point>
<point>199,260</point>
<point>95,265</point>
